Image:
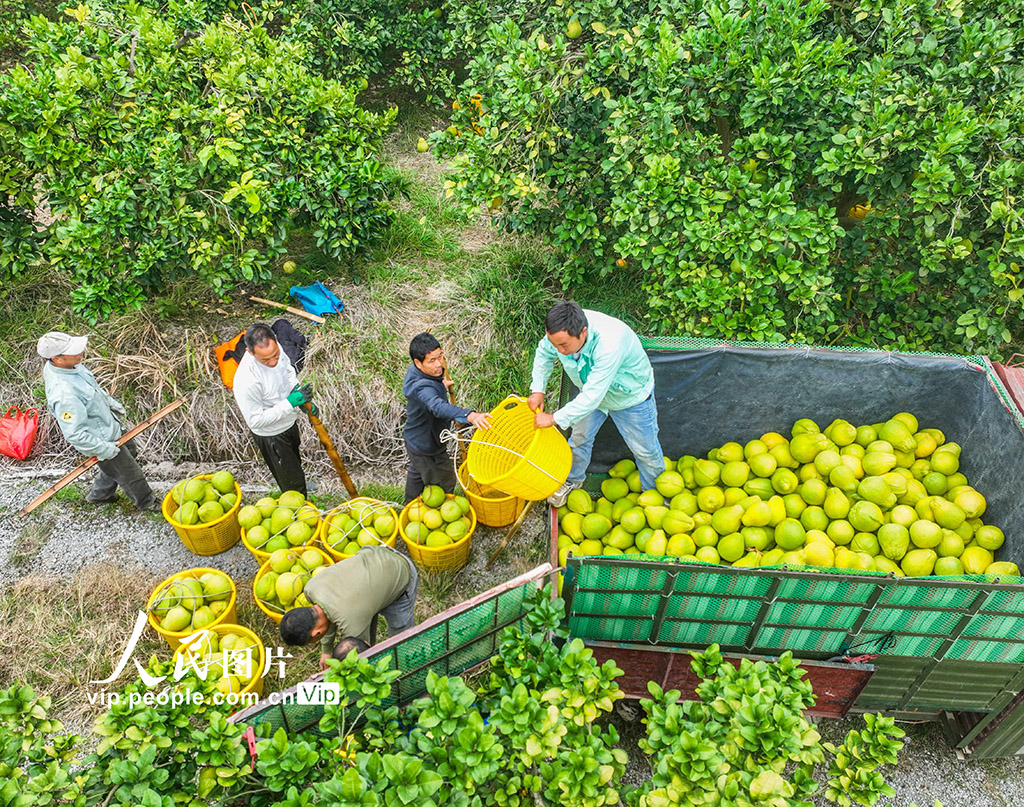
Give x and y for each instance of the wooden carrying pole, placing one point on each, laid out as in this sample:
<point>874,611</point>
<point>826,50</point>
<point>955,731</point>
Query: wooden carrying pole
<point>332,452</point>
<point>85,466</point>
<point>451,398</point>
<point>291,310</point>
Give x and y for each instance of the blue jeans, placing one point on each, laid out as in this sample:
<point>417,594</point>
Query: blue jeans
<point>638,426</point>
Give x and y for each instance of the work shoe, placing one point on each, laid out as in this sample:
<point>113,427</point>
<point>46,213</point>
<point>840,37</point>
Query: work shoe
<point>557,499</point>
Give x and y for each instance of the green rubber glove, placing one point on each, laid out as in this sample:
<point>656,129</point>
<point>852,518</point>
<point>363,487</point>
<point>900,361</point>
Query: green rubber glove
<point>300,395</point>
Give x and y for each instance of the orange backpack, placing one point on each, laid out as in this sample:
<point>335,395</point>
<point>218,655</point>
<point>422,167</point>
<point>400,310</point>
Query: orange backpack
<point>228,356</point>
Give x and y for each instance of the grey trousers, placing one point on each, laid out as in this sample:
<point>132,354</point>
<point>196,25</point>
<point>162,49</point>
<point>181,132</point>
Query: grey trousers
<point>124,472</point>
<point>400,613</point>
<point>428,469</point>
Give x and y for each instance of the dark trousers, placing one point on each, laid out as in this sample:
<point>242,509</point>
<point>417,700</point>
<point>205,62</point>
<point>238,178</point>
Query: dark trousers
<point>124,472</point>
<point>281,453</point>
<point>428,469</point>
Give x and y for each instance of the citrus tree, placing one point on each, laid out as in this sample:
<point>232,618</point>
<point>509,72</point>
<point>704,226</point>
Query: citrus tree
<point>789,169</point>
<point>139,147</point>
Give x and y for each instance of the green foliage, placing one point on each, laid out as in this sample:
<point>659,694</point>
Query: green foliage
<point>746,741</point>
<point>854,770</point>
<point>168,149</point>
<point>789,170</point>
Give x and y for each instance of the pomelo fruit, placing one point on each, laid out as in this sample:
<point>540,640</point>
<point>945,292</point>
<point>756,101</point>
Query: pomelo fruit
<point>266,506</point>
<point>918,562</point>
<point>579,501</point>
<point>655,515</point>
<point>675,522</point>
<point>595,526</point>
<point>385,524</point>
<point>622,469</point>
<point>216,586</point>
<point>223,481</point>
<point>194,490</point>
<point>633,520</point>
<point>976,559</point>
<point>668,484</point>
<point>680,544</point>
<point>288,586</point>
<point>298,533</point>
<point>925,534</point>
<point>176,619</point>
<point>894,540</point>
<point>189,513</point>
<point>708,554</point>
<point>292,499</point>
<point>591,547</point>
<point>865,516</point>
<point>1003,567</point>
<point>790,534</point>
<point>210,512</point>
<point>730,548</point>
<point>450,511</point>
<point>456,530</point>
<point>202,617</point>
<point>433,496</point>
<point>432,519</point>
<point>282,560</point>
<point>866,542</point>
<point>249,517</point>
<point>614,489</point>
<point>989,537</point>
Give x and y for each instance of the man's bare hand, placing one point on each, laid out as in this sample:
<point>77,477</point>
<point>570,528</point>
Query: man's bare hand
<point>449,383</point>
<point>323,660</point>
<point>482,420</point>
<point>535,401</point>
<point>542,420</point>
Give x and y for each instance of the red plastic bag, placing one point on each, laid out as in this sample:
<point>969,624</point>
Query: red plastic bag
<point>18,432</point>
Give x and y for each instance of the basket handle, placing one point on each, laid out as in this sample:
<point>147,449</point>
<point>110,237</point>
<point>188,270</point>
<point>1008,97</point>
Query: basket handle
<point>513,401</point>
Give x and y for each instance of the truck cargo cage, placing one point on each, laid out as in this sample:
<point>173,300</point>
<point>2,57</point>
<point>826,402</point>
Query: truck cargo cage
<point>449,643</point>
<point>951,644</point>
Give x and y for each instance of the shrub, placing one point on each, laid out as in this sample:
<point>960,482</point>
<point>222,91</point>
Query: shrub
<point>166,148</point>
<point>789,170</point>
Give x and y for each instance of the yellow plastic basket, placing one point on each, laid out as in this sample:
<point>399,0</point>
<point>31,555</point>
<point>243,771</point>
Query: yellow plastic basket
<point>517,458</point>
<point>438,558</point>
<point>173,638</point>
<point>269,610</point>
<point>206,539</point>
<point>379,509</point>
<point>261,556</point>
<point>256,684</point>
<point>498,510</point>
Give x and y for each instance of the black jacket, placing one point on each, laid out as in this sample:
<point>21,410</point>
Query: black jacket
<point>427,411</point>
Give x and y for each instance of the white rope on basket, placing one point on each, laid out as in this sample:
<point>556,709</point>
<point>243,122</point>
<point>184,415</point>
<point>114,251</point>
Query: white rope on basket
<point>448,435</point>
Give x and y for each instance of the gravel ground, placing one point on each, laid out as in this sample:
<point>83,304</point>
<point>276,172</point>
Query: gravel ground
<point>64,535</point>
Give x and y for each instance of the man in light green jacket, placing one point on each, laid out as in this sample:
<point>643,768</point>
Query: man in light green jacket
<point>605,360</point>
<point>91,421</point>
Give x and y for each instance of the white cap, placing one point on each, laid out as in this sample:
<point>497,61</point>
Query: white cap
<point>57,343</point>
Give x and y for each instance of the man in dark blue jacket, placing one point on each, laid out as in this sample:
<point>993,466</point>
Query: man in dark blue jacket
<point>427,414</point>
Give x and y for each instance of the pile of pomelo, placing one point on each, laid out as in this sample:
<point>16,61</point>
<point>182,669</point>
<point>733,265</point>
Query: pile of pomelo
<point>280,587</point>
<point>278,523</point>
<point>210,651</point>
<point>885,497</point>
<point>359,524</point>
<point>192,603</point>
<point>437,519</point>
<point>203,501</point>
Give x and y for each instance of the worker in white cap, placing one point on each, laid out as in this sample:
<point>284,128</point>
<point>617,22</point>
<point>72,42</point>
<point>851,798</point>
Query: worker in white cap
<point>91,421</point>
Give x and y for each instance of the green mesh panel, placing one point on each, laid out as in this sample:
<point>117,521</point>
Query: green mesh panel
<point>620,577</point>
<point>811,641</point>
<point>696,607</point>
<point>612,629</point>
<point>813,616</point>
<point>622,602</point>
<point>987,626</point>
<point>703,633</point>
<point>721,580</point>
<point>824,590</point>
<point>698,343</point>
<point>908,620</point>
<point>916,646</point>
<point>984,650</point>
<point>451,647</point>
<point>1002,600</point>
<point>924,596</point>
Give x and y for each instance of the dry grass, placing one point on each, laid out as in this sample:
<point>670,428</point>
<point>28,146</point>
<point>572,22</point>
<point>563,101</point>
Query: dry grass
<point>57,635</point>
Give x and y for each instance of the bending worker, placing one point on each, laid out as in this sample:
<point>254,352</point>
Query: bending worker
<point>347,600</point>
<point>90,420</point>
<point>604,359</point>
<point>267,392</point>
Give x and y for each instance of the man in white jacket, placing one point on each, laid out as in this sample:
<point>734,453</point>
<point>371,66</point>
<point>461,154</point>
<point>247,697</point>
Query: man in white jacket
<point>267,392</point>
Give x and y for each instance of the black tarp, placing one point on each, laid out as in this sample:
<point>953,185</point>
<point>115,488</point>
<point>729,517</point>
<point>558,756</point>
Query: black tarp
<point>709,396</point>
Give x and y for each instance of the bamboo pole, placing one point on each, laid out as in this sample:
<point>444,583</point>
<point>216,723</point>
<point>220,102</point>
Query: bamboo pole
<point>290,309</point>
<point>332,452</point>
<point>85,466</point>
